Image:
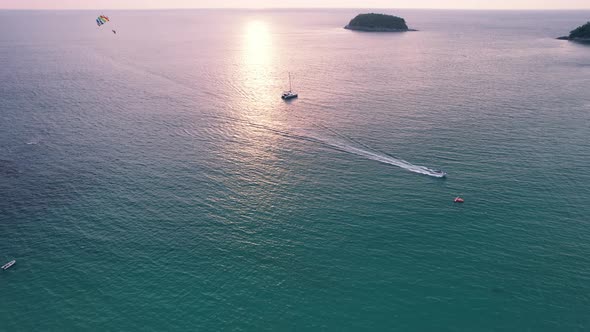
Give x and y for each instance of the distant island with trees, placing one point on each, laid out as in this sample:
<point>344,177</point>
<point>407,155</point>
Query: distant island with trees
<point>581,33</point>
<point>378,23</point>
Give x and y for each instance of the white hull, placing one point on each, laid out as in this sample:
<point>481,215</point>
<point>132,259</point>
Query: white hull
<point>9,264</point>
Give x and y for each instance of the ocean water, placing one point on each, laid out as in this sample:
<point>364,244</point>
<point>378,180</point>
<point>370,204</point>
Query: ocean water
<point>154,180</point>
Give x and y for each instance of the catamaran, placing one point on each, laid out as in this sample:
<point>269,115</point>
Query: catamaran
<point>289,94</point>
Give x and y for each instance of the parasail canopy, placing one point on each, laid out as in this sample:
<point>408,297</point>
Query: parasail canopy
<point>101,20</point>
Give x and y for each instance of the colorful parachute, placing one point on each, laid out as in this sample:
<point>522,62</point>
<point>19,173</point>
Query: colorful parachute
<point>101,20</point>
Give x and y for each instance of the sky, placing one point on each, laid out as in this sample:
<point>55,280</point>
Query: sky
<point>156,4</point>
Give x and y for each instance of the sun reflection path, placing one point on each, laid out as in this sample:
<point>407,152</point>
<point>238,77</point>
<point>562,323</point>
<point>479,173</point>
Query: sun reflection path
<point>257,69</point>
<point>253,143</point>
<point>258,45</point>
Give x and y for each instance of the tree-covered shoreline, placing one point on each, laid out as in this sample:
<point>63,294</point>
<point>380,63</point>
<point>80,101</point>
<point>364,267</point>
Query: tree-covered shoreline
<point>581,33</point>
<point>377,22</point>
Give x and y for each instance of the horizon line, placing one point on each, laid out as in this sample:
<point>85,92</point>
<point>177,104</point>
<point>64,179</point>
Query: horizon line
<point>293,8</point>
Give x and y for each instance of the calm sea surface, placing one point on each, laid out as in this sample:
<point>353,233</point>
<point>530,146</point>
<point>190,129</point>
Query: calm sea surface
<point>154,180</point>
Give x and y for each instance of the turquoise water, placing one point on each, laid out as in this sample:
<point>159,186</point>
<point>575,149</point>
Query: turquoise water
<point>154,180</point>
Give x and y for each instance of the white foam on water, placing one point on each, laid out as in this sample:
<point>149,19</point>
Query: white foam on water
<point>344,144</point>
<point>383,158</point>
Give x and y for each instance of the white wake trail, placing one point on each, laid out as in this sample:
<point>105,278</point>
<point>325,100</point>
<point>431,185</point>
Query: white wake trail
<point>383,158</point>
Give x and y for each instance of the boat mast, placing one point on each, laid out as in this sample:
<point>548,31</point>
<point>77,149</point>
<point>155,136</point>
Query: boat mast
<point>290,88</point>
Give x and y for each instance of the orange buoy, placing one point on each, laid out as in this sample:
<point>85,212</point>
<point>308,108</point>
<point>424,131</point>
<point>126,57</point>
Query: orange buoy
<point>459,200</point>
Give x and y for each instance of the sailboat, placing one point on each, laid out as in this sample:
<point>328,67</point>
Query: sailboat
<point>289,94</point>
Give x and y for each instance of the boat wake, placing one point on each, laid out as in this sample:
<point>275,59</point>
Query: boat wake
<point>386,159</point>
<point>372,154</point>
<point>337,142</point>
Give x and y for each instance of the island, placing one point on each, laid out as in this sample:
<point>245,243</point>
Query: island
<point>581,34</point>
<point>378,23</point>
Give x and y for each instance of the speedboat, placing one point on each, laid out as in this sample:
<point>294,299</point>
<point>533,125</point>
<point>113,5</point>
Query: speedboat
<point>9,264</point>
<point>439,173</point>
<point>458,200</point>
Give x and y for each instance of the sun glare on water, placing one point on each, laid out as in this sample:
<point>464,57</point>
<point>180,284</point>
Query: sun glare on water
<point>258,44</point>
<point>257,64</point>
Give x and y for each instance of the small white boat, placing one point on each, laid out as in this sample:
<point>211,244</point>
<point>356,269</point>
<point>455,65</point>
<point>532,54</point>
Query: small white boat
<point>440,174</point>
<point>289,94</point>
<point>9,264</point>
